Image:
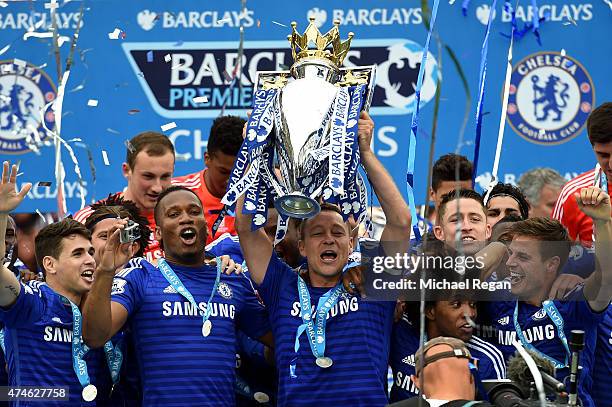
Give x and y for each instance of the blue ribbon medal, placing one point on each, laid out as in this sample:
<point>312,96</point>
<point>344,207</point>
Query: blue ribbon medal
<point>177,284</point>
<point>554,315</point>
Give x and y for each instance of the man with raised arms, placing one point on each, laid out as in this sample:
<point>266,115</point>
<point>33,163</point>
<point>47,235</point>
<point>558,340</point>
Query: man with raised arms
<point>183,314</point>
<point>347,362</point>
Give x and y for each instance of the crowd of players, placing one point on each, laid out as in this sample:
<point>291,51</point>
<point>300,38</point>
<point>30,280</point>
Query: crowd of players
<point>174,318</point>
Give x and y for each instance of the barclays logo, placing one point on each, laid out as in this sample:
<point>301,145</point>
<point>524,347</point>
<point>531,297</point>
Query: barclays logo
<point>209,69</point>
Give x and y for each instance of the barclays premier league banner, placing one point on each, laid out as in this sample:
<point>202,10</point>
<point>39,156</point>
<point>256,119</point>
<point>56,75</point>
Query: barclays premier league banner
<point>122,67</point>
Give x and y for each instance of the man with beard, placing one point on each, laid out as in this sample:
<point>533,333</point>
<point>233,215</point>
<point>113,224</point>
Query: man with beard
<point>183,314</point>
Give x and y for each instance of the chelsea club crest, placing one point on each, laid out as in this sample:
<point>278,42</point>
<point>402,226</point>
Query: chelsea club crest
<point>24,91</point>
<point>551,96</point>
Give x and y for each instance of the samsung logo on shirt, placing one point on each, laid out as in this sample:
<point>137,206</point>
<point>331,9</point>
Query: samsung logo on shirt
<point>536,333</point>
<point>342,307</point>
<point>55,334</point>
<point>174,308</point>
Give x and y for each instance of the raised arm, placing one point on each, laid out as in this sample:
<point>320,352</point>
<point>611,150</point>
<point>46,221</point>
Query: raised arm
<point>102,318</point>
<point>397,228</point>
<point>9,200</point>
<point>595,203</point>
<point>256,246</point>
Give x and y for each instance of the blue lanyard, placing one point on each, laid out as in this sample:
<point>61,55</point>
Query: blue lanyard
<point>79,349</point>
<point>177,284</point>
<point>2,341</point>
<point>114,359</point>
<point>316,334</point>
<point>316,330</point>
<point>554,315</point>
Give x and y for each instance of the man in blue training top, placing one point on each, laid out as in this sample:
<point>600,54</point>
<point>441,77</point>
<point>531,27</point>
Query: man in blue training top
<point>347,363</point>
<point>538,251</point>
<point>42,321</point>
<point>450,318</point>
<point>183,314</point>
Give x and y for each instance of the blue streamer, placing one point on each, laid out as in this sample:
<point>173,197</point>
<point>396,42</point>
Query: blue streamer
<point>481,88</point>
<point>536,21</point>
<point>414,127</point>
<point>464,6</point>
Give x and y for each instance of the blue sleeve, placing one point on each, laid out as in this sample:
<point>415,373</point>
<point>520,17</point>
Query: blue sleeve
<point>29,308</point>
<point>580,262</point>
<point>227,246</point>
<point>129,286</point>
<point>275,280</point>
<point>580,309</point>
<point>253,318</point>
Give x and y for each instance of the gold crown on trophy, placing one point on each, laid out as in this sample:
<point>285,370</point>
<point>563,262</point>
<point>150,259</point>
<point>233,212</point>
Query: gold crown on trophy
<point>312,35</point>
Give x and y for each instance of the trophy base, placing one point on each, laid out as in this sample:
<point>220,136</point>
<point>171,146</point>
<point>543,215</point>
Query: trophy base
<point>296,205</point>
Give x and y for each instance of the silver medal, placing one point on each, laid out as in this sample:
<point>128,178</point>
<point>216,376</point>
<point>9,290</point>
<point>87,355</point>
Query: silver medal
<point>89,392</point>
<point>261,397</point>
<point>206,328</point>
<point>324,362</point>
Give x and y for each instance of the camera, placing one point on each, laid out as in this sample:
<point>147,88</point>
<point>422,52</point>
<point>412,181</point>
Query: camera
<point>130,233</point>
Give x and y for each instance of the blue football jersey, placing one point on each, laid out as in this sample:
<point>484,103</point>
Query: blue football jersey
<point>38,341</point>
<point>178,365</point>
<point>602,368</point>
<point>540,331</point>
<point>404,345</point>
<point>357,340</point>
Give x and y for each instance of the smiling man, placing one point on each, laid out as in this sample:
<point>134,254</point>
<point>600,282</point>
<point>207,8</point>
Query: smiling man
<point>538,251</point>
<point>599,129</point>
<point>462,214</point>
<point>350,365</point>
<point>148,170</point>
<point>187,299</point>
<point>40,319</point>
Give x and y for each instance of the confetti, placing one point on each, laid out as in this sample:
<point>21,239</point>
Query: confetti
<point>451,2</point>
<point>114,35</point>
<point>133,111</point>
<point>168,126</point>
<point>167,58</point>
<point>92,102</point>
<point>19,62</point>
<point>3,4</point>
<point>541,132</point>
<point>609,3</point>
<point>562,52</point>
<point>178,43</point>
<point>44,183</point>
<point>6,48</point>
<point>225,20</point>
<point>38,212</point>
<point>200,99</point>
<point>52,5</point>
<point>150,56</point>
<point>258,23</point>
<point>177,66</point>
<point>112,130</point>
<point>277,23</point>
<point>105,158</point>
<point>183,157</point>
<point>129,146</point>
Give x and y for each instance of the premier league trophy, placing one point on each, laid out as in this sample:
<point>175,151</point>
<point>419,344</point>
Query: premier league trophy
<point>307,118</point>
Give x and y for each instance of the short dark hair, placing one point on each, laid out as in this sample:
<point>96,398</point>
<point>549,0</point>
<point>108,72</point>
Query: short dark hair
<point>512,191</point>
<point>48,241</point>
<point>166,192</point>
<point>444,169</point>
<point>325,206</point>
<point>458,194</point>
<point>151,142</point>
<point>549,231</point>
<point>116,206</point>
<point>599,124</point>
<point>225,135</point>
